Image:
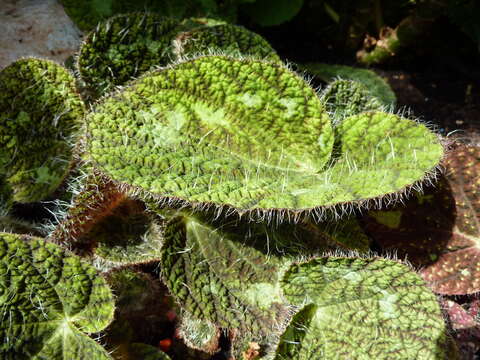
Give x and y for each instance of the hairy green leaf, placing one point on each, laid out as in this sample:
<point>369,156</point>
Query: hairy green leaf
<point>40,112</point>
<point>218,278</point>
<point>123,47</point>
<point>376,85</point>
<point>252,136</point>
<point>362,309</point>
<point>50,301</point>
<point>225,38</point>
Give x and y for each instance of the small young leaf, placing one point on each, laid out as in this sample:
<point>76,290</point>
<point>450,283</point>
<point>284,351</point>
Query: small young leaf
<point>376,85</point>
<point>227,38</point>
<point>362,308</point>
<point>199,334</point>
<point>50,300</point>
<point>40,113</point>
<point>344,98</point>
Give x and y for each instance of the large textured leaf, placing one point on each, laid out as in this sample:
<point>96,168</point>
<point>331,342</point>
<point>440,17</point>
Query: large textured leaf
<point>124,47</point>
<point>226,272</point>
<point>440,229</point>
<point>253,136</point>
<point>49,301</point>
<point>217,278</point>
<point>362,309</point>
<point>40,112</point>
<point>377,86</point>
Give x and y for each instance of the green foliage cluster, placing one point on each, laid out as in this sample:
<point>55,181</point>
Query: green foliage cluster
<point>220,192</point>
<point>87,14</point>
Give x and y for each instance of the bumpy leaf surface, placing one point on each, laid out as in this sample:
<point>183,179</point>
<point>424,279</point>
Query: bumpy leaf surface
<point>50,300</point>
<point>227,38</point>
<point>96,199</point>
<point>440,230</point>
<point>215,277</point>
<point>377,86</point>
<point>124,47</point>
<point>346,97</point>
<point>40,112</point>
<point>253,136</point>
<point>362,309</point>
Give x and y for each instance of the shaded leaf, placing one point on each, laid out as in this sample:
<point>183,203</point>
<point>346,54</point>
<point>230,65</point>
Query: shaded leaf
<point>217,278</point>
<point>269,12</point>
<point>40,113</point>
<point>50,300</point>
<point>375,84</point>
<point>144,313</point>
<point>106,222</point>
